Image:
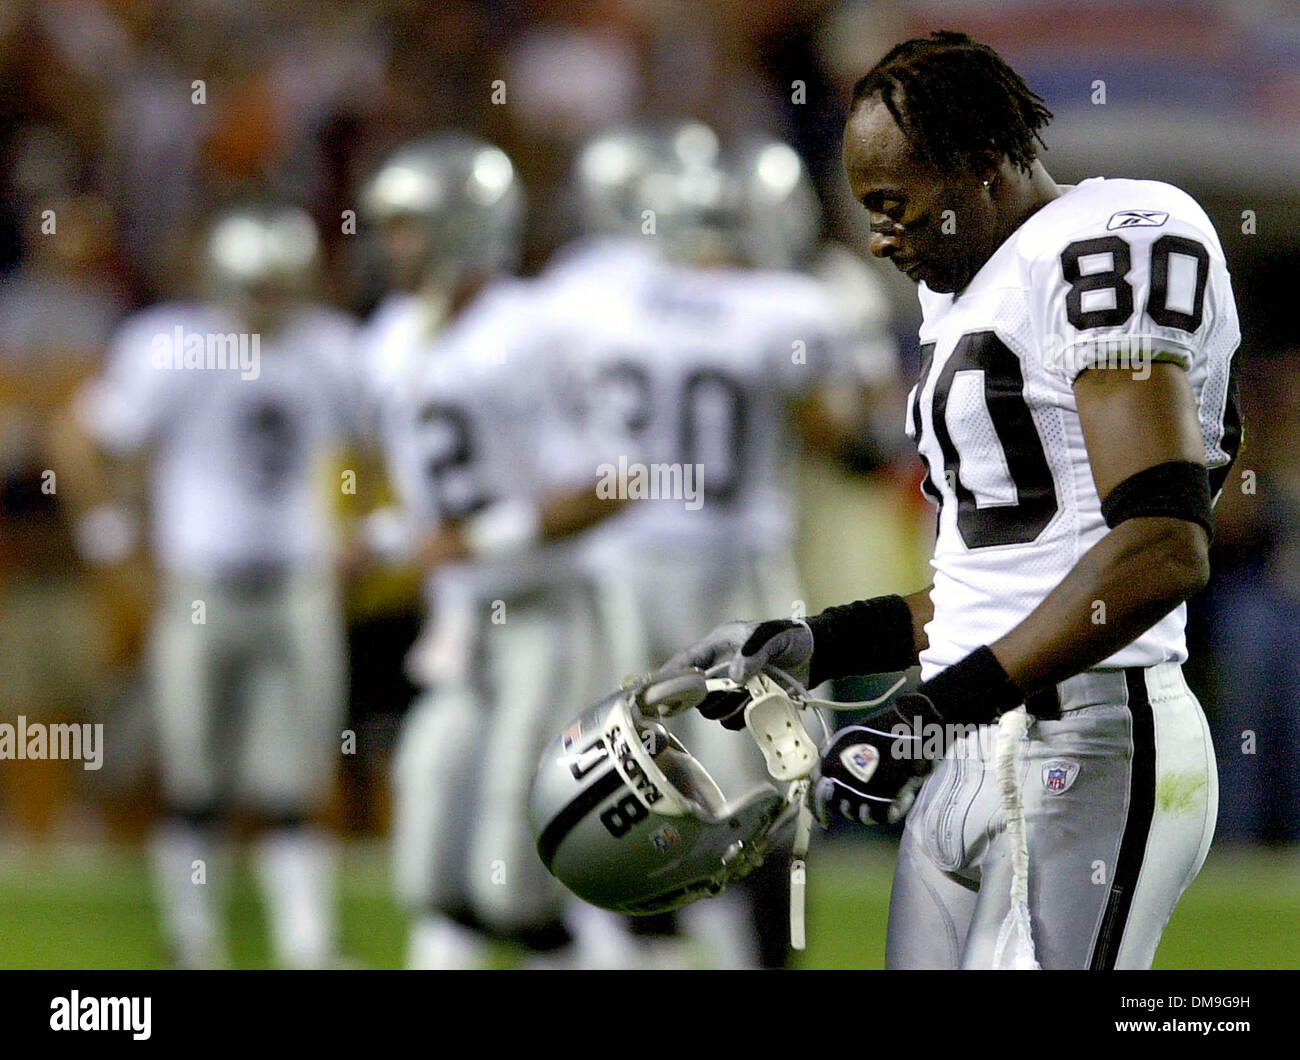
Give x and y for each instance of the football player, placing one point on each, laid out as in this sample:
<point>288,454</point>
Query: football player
<point>1076,413</point>
<point>235,404</point>
<point>690,360</point>
<point>490,479</point>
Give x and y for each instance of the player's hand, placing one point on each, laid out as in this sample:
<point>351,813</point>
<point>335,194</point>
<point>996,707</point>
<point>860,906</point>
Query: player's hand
<point>871,772</point>
<point>745,648</point>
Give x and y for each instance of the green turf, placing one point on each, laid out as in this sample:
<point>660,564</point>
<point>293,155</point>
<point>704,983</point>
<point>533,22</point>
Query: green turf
<point>1243,911</point>
<point>83,909</point>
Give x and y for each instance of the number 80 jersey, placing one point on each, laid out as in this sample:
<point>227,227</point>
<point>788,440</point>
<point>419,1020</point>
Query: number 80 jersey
<point>1114,275</point>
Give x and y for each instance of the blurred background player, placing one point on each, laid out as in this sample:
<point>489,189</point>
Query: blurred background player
<point>700,350</point>
<point>488,472</point>
<point>233,405</point>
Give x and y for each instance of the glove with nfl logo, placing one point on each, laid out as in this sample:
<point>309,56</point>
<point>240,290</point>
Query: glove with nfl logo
<point>871,772</point>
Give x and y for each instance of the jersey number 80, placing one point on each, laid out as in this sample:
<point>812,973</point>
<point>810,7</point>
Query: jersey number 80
<point>1013,424</point>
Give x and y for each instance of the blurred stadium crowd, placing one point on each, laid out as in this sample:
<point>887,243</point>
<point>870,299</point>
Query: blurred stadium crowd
<point>134,123</point>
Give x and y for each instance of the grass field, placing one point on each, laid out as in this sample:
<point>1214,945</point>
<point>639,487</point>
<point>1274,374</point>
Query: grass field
<point>91,908</point>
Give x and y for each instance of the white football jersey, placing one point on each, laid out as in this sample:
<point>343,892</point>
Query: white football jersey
<point>686,375</point>
<point>236,451</point>
<point>1109,273</point>
<point>475,422</point>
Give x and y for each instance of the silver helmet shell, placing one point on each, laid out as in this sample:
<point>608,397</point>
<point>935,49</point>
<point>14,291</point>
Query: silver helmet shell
<point>697,202</point>
<point>465,195</point>
<point>259,247</point>
<point>627,819</point>
<point>607,179</point>
<point>783,216</point>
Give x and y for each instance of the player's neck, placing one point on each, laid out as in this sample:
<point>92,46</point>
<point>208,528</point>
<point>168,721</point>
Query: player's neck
<point>1018,196</point>
<point>1026,194</point>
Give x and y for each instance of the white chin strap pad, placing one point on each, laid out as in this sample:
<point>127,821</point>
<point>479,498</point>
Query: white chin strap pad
<point>775,724</point>
<point>791,756</point>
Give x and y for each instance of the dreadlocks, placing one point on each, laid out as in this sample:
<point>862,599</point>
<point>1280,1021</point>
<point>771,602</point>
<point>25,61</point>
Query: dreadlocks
<point>957,101</point>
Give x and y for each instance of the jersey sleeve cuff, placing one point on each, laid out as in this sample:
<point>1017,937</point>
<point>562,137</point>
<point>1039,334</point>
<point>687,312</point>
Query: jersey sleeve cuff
<point>1125,353</point>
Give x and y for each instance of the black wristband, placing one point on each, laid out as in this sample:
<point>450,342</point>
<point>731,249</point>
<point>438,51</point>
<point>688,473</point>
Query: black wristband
<point>1177,488</point>
<point>865,637</point>
<point>975,691</point>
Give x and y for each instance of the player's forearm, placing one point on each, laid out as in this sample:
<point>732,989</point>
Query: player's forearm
<point>80,466</point>
<point>1122,586</point>
<point>882,635</point>
<point>565,514</point>
<point>510,526</point>
<point>922,607</point>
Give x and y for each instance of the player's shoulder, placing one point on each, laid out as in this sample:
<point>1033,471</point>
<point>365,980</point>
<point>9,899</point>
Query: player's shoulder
<point>395,321</point>
<point>163,315</point>
<point>766,296</point>
<point>493,330</point>
<point>325,328</point>
<point>595,280</point>
<point>391,310</point>
<point>162,323</point>
<point>854,285</point>
<point>597,259</point>
<point>785,285</point>
<point>507,304</point>
<point>1103,207</point>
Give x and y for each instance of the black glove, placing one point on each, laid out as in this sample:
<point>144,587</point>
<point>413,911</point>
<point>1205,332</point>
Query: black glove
<point>746,648</point>
<point>870,772</point>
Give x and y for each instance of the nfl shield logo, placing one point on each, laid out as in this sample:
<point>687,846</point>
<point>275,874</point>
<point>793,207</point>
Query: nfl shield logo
<point>860,760</point>
<point>1059,774</point>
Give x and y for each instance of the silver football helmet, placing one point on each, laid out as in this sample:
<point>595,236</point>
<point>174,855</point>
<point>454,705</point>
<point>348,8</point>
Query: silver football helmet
<point>629,820</point>
<point>698,204</point>
<point>607,179</point>
<point>783,214</point>
<point>461,198</point>
<point>260,248</point>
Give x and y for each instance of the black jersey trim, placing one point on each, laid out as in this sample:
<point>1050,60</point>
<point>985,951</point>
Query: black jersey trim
<point>1230,430</point>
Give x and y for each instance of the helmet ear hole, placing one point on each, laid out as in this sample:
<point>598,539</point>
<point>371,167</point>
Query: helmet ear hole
<point>688,775</point>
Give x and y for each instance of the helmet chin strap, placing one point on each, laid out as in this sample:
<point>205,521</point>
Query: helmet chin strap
<point>773,720</point>
<point>799,794</point>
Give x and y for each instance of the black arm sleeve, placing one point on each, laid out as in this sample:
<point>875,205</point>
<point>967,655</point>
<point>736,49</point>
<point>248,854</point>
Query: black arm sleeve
<point>865,637</point>
<point>1177,488</point>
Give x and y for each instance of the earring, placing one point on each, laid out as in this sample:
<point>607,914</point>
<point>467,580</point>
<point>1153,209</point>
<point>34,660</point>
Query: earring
<point>987,183</point>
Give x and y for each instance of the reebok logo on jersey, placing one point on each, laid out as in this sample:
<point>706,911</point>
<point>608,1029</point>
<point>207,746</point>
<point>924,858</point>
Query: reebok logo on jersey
<point>860,760</point>
<point>1136,219</point>
<point>1059,774</point>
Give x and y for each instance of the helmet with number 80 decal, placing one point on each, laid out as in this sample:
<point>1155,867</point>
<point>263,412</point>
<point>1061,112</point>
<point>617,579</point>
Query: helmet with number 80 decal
<point>629,820</point>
